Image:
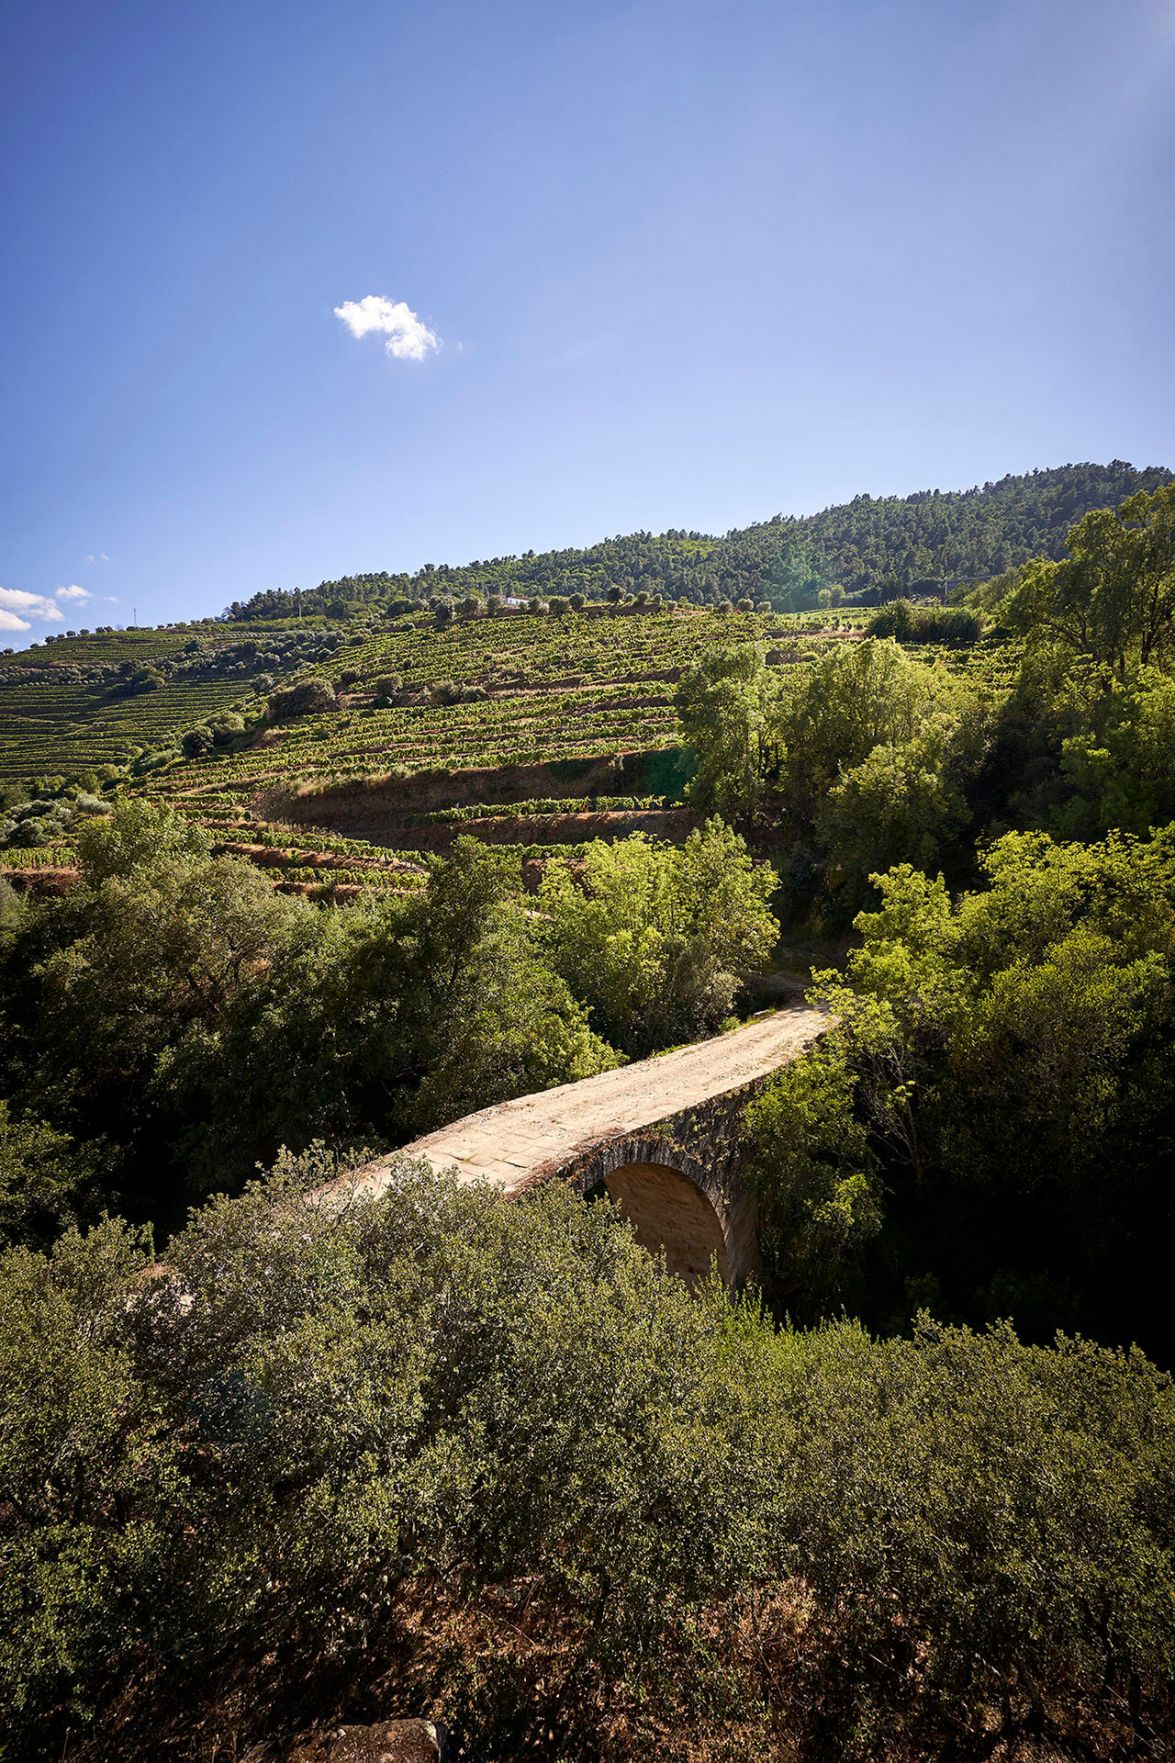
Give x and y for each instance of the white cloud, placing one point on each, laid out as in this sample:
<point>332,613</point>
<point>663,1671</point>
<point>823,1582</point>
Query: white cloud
<point>73,592</point>
<point>97,557</point>
<point>408,337</point>
<point>19,603</point>
<point>10,622</point>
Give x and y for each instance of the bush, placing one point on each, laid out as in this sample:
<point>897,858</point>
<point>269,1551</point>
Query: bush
<point>431,1448</point>
<point>307,697</point>
<point>197,741</point>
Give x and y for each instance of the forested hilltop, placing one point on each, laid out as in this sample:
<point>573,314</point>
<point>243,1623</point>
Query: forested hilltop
<point>869,549</point>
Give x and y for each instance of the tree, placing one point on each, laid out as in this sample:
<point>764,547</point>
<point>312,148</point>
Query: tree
<point>307,697</point>
<point>725,702</point>
<point>197,741</point>
<point>1010,1051</point>
<point>815,1176</point>
<point>858,697</point>
<point>653,939</point>
<point>901,804</point>
<point>47,1182</point>
<point>1113,597</point>
<point>1118,765</point>
<point>138,834</point>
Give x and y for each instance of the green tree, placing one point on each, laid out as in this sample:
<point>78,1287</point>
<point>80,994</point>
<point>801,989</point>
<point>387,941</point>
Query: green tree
<point>1010,1051</point>
<point>725,703</point>
<point>305,697</point>
<point>815,1177</point>
<point>138,834</point>
<point>903,803</point>
<point>860,696</point>
<point>490,1019</point>
<point>654,939</point>
<point>46,1181</point>
<point>1117,766</point>
<point>1113,597</point>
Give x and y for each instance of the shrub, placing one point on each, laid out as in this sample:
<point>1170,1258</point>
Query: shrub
<point>280,1479</point>
<point>197,741</point>
<point>307,697</point>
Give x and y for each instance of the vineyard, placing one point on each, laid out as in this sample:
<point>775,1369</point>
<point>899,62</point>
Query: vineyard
<point>524,730</point>
<point>339,736</point>
<point>76,705</point>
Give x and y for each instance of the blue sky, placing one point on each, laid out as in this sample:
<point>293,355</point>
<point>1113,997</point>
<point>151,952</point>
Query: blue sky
<point>685,266</point>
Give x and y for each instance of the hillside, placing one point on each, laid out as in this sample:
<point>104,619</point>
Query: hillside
<point>441,1429</point>
<point>79,704</point>
<point>868,549</point>
<point>527,730</point>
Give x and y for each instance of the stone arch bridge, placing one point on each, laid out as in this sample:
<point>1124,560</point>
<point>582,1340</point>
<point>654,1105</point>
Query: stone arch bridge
<point>660,1136</point>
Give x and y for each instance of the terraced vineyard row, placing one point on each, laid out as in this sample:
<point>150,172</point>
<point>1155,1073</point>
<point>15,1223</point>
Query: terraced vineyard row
<point>46,731</point>
<point>583,703</point>
<point>525,731</point>
<point>82,703</point>
<point>554,689</point>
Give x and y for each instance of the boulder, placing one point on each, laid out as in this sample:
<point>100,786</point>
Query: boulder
<point>387,1741</point>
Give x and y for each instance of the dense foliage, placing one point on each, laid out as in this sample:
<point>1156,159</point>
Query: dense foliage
<point>654,939</point>
<point>990,1129</point>
<point>874,547</point>
<point>335,1458</point>
<point>176,1012</point>
<point>433,1450</point>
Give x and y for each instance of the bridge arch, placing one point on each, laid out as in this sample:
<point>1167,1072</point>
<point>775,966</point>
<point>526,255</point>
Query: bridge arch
<point>674,1196</point>
<point>670,1214</point>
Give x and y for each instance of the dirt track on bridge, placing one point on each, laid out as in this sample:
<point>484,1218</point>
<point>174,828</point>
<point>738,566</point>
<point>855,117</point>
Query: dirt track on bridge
<point>509,1143</point>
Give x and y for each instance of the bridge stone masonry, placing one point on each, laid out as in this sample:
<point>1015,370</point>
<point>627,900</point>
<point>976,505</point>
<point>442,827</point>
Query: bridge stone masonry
<point>660,1136</point>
